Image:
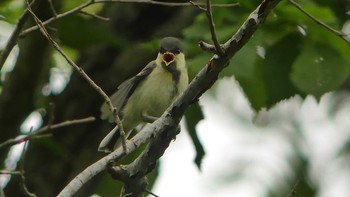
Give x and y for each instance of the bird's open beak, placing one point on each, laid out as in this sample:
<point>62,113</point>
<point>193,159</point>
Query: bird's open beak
<point>168,58</point>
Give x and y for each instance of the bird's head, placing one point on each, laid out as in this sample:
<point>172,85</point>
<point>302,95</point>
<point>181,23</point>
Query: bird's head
<point>170,51</point>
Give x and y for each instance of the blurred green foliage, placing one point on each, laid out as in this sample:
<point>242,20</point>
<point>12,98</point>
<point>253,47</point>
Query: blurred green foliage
<point>95,34</point>
<point>300,56</point>
<point>11,10</point>
<point>290,54</point>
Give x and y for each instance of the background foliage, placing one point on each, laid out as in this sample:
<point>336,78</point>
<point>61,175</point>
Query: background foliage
<point>289,55</point>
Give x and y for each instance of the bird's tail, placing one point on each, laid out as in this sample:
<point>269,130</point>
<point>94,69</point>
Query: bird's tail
<point>110,141</point>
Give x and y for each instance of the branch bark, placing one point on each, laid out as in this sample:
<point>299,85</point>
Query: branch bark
<point>165,128</point>
<point>22,87</point>
<point>44,131</point>
<point>75,147</point>
<point>83,74</point>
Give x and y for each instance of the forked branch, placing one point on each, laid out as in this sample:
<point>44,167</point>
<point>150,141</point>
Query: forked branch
<point>166,126</point>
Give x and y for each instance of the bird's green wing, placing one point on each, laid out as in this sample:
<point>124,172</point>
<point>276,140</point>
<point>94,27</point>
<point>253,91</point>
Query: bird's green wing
<point>124,91</point>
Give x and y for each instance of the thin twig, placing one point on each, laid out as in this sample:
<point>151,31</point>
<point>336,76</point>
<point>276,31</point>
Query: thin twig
<point>18,33</point>
<point>172,3</point>
<point>52,7</point>
<point>341,34</point>
<point>90,2</point>
<point>217,48</point>
<point>217,45</point>
<point>94,15</point>
<point>40,136</point>
<point>198,6</point>
<point>21,169</point>
<point>151,193</point>
<point>43,131</point>
<point>84,75</point>
<point>206,46</point>
<point>165,126</point>
<point>294,189</point>
<point>14,36</point>
<point>51,114</point>
<point>10,172</point>
<point>58,16</point>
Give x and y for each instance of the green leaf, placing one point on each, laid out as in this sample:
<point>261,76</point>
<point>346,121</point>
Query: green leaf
<point>254,90</point>
<point>276,68</point>
<point>90,33</point>
<point>193,115</point>
<point>319,69</point>
<point>68,5</point>
<point>243,67</point>
<point>242,64</point>
<point>196,63</point>
<point>265,80</point>
<point>10,11</point>
<point>288,12</point>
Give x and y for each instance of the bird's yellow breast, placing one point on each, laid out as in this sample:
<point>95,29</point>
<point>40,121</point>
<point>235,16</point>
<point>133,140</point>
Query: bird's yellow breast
<point>153,96</point>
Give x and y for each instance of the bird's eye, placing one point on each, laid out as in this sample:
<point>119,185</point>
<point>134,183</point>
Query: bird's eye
<point>161,50</point>
<point>177,51</point>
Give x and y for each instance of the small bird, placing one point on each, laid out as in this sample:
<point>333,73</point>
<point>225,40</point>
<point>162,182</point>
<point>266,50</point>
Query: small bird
<point>144,97</point>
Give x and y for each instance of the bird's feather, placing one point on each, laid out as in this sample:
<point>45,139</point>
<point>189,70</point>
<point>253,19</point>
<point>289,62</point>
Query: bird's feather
<point>124,91</point>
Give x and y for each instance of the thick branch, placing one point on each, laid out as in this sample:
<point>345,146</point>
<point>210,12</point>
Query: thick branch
<point>134,174</point>
<point>166,125</point>
<point>134,187</point>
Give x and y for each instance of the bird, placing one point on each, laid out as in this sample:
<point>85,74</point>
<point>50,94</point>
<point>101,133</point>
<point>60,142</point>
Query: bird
<point>144,97</point>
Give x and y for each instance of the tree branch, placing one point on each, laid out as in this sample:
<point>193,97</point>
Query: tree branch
<point>336,32</point>
<point>91,2</point>
<point>218,49</point>
<point>43,131</point>
<point>134,174</point>
<point>94,15</point>
<point>134,187</point>
<point>206,46</point>
<point>84,75</point>
<point>165,127</point>
<point>293,191</point>
<point>22,173</point>
<point>10,172</point>
<point>18,33</point>
<point>52,7</point>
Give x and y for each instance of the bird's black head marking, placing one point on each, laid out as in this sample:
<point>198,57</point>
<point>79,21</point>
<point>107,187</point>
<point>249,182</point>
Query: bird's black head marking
<point>170,44</point>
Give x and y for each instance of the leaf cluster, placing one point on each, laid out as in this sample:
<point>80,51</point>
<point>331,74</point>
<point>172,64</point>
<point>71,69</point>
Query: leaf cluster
<point>290,55</point>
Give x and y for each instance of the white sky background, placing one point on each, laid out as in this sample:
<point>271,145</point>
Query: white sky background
<point>243,159</point>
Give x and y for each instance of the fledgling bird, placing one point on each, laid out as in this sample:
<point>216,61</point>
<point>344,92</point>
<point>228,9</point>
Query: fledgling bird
<point>146,96</point>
